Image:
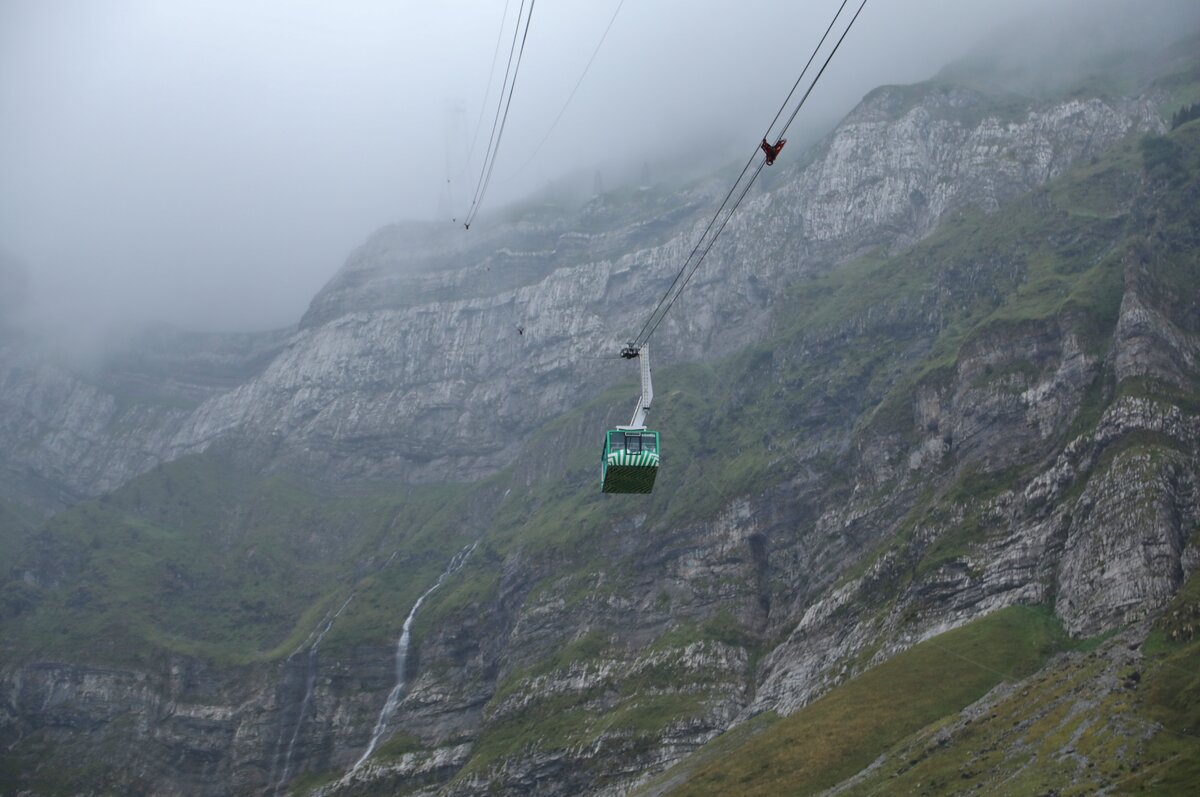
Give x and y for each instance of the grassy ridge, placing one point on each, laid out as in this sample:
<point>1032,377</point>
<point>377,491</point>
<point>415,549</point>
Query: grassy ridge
<point>1171,697</point>
<point>1103,718</point>
<point>844,731</point>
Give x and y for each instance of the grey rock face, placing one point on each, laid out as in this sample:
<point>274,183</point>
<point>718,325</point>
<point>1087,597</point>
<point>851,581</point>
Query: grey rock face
<point>149,727</point>
<point>1124,553</point>
<point>437,383</point>
<point>1102,527</point>
<point>70,430</point>
<point>896,165</point>
<point>409,365</point>
<point>71,437</point>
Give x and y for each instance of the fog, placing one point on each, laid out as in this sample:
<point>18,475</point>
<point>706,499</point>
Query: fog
<point>211,163</point>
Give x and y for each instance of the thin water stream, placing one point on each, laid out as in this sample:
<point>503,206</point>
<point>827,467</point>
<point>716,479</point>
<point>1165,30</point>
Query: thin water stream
<point>310,679</point>
<point>393,699</point>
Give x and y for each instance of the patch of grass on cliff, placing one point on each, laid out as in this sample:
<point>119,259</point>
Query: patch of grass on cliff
<point>943,275</point>
<point>1102,187</point>
<point>587,648</point>
<point>972,493</point>
<point>1142,444</point>
<point>309,782</point>
<point>579,719</point>
<point>639,707</point>
<point>469,590</point>
<point>425,530</point>
<point>1087,296</point>
<point>398,745</point>
<point>722,627</point>
<point>842,732</point>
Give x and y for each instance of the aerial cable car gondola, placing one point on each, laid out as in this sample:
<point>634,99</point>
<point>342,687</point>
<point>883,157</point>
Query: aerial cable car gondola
<point>629,460</point>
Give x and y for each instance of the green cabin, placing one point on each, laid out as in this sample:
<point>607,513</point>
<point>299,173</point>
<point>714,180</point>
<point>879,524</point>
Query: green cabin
<point>629,462</point>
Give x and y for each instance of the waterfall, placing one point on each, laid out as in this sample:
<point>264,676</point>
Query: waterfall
<point>393,699</point>
<point>310,679</point>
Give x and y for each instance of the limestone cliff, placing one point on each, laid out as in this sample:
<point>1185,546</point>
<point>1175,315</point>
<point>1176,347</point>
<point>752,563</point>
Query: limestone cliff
<point>409,363</point>
<point>945,365</point>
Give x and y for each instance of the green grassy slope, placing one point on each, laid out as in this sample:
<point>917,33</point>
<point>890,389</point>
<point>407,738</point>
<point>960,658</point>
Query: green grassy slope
<point>1104,718</point>
<point>844,731</point>
<point>1168,696</point>
<point>15,522</point>
<point>201,557</point>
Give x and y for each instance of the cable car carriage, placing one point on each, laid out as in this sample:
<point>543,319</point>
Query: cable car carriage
<point>629,461</point>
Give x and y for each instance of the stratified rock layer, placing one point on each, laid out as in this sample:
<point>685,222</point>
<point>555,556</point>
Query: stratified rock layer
<point>410,366</point>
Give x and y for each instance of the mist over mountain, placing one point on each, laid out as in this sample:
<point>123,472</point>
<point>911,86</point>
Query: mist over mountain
<point>211,164</point>
<point>14,286</point>
<point>927,509</point>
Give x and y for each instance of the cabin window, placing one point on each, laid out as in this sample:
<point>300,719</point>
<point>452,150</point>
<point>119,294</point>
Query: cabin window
<point>616,442</point>
<point>633,443</point>
<point>649,443</point>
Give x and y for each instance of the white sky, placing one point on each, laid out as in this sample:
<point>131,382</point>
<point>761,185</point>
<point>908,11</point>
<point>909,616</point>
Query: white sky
<point>213,162</point>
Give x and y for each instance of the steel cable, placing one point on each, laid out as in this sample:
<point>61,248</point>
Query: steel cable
<point>501,121</point>
<point>688,269</point>
<point>570,97</point>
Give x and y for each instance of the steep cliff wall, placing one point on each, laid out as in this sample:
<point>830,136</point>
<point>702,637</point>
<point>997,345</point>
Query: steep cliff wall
<point>907,436</point>
<point>72,428</point>
<point>961,435</point>
<point>409,363</point>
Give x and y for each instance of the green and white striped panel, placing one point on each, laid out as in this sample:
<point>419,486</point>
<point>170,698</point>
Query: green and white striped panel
<point>630,473</point>
<point>640,459</point>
